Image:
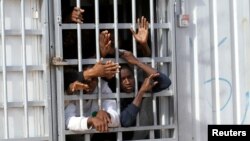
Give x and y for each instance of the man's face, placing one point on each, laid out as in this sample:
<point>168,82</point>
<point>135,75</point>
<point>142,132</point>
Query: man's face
<point>92,83</point>
<point>127,81</point>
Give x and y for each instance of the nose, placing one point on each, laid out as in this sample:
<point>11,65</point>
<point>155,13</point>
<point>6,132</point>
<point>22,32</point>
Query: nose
<point>126,81</point>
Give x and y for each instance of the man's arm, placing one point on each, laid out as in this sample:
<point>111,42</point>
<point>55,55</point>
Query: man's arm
<point>163,81</point>
<point>129,114</point>
<point>75,123</point>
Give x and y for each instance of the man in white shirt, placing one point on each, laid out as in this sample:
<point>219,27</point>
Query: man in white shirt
<point>92,116</point>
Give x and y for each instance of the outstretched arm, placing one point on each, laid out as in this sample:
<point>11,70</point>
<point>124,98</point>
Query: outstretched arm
<point>130,58</point>
<point>163,81</point>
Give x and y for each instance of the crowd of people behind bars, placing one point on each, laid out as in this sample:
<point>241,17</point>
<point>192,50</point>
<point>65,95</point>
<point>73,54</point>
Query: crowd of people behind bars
<point>101,118</point>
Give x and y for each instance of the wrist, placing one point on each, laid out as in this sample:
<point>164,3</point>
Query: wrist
<point>90,122</point>
<point>88,74</point>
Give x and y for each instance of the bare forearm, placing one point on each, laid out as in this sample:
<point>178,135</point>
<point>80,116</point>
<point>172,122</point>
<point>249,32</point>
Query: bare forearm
<point>145,50</point>
<point>149,70</point>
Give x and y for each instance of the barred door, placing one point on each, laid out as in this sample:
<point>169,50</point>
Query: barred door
<point>117,16</point>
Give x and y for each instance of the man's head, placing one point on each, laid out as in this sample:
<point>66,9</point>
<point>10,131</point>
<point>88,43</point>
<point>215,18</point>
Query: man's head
<point>127,81</point>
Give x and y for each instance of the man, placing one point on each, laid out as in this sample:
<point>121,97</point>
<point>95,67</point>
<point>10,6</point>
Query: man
<point>92,117</point>
<point>155,82</point>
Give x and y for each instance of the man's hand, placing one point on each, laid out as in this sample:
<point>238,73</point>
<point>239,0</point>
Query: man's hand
<point>75,86</point>
<point>142,35</point>
<point>104,116</point>
<point>129,57</point>
<point>149,83</point>
<point>76,15</point>
<point>102,70</point>
<point>98,124</point>
<point>105,43</point>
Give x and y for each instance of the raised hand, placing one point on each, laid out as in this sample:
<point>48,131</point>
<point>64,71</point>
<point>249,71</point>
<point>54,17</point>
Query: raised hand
<point>76,15</point>
<point>142,35</point>
<point>149,83</point>
<point>105,43</point>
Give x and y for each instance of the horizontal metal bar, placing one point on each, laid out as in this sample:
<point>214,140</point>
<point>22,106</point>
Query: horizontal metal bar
<point>21,104</point>
<point>93,61</point>
<point>19,68</point>
<point>19,32</point>
<point>111,26</point>
<point>113,95</point>
<point>28,139</point>
<point>122,129</point>
<point>162,139</point>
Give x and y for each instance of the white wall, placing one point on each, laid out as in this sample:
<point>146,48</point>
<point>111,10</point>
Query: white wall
<point>194,68</point>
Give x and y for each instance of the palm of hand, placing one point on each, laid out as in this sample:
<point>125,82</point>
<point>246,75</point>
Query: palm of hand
<point>142,36</point>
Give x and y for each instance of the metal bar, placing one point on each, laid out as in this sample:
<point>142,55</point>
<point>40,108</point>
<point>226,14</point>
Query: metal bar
<point>21,104</point>
<point>19,68</point>
<point>25,92</point>
<point>215,61</point>
<point>116,54</point>
<point>153,52</point>
<point>114,96</point>
<point>97,30</point>
<point>48,76</point>
<point>87,137</point>
<point>112,25</point>
<point>151,134</point>
<point>28,139</point>
<point>28,32</point>
<point>79,51</point>
<point>133,2</point>
<point>195,81</point>
<point>171,9</point>
<point>119,134</point>
<point>59,71</point>
<point>93,61</point>
<point>235,61</point>
<point>124,129</point>
<point>5,100</point>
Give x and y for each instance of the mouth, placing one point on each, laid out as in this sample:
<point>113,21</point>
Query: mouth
<point>129,88</point>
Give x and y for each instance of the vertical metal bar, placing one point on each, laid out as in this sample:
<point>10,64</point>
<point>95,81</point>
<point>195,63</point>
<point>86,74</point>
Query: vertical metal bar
<point>119,134</point>
<point>116,54</point>
<point>153,51</point>
<point>79,51</point>
<point>135,50</point>
<point>59,71</point>
<point>45,7</point>
<point>235,61</point>
<point>195,79</point>
<point>215,61</point>
<point>151,134</point>
<point>24,68</point>
<point>5,100</point>
<point>87,137</point>
<point>97,30</point>
<point>152,35</point>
